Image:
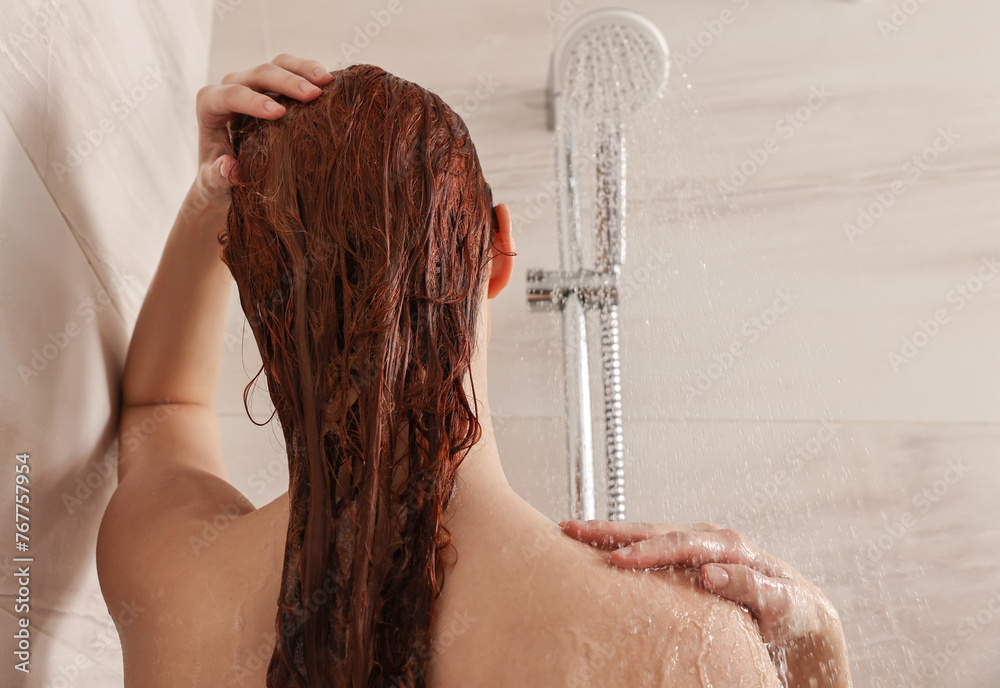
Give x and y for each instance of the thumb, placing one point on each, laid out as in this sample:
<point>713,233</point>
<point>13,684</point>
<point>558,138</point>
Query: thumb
<point>216,177</point>
<point>211,187</point>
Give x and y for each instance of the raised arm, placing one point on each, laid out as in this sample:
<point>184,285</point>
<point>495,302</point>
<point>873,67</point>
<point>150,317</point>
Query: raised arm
<point>176,348</point>
<point>172,366</point>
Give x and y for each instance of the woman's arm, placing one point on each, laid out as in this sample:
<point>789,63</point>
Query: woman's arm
<point>176,348</point>
<point>175,354</point>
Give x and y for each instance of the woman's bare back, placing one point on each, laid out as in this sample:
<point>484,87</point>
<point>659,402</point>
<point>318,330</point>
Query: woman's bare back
<point>523,605</point>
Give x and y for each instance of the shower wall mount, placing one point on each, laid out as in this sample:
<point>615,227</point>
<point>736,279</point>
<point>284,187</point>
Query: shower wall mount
<point>607,66</point>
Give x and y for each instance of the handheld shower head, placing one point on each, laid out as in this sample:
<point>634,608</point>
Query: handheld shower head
<point>608,64</point>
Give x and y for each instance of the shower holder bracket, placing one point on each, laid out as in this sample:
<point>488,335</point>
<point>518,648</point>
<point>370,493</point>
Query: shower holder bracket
<point>548,290</point>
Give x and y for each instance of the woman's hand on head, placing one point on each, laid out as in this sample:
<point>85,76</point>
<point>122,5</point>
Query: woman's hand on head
<point>244,92</point>
<point>786,605</point>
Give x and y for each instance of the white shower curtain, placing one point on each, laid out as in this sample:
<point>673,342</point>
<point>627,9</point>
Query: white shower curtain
<point>98,140</point>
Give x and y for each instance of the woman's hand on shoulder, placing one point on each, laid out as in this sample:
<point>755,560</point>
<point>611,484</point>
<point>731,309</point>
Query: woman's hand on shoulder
<point>792,613</point>
<point>243,92</point>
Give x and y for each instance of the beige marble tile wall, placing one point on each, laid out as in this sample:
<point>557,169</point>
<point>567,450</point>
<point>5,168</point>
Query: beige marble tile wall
<point>88,193</point>
<point>819,191</point>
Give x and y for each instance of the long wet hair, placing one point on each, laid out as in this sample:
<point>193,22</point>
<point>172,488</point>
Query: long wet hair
<point>360,237</point>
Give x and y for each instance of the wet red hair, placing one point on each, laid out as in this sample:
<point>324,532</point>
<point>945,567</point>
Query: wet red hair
<point>360,239</point>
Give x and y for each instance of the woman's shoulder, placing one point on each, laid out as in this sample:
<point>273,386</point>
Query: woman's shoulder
<point>203,592</point>
<point>661,627</point>
<point>704,638</point>
<point>544,609</point>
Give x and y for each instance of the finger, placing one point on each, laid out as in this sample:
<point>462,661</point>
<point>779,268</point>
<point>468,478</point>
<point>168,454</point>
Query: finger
<point>618,533</point>
<point>694,549</point>
<point>310,69</point>
<point>705,526</point>
<point>217,104</point>
<point>225,171</point>
<point>229,171</point>
<point>213,181</point>
<point>272,77</point>
<point>767,597</point>
<point>613,533</point>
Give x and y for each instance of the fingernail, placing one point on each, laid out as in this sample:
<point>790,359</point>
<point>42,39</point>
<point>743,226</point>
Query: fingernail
<point>717,576</point>
<point>562,524</point>
<point>271,106</point>
<point>306,87</point>
<point>319,71</point>
<point>224,167</point>
<point>630,549</point>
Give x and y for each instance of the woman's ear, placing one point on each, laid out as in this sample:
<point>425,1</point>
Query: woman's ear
<point>502,265</point>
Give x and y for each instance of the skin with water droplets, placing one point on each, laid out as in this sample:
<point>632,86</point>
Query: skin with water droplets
<point>580,621</point>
